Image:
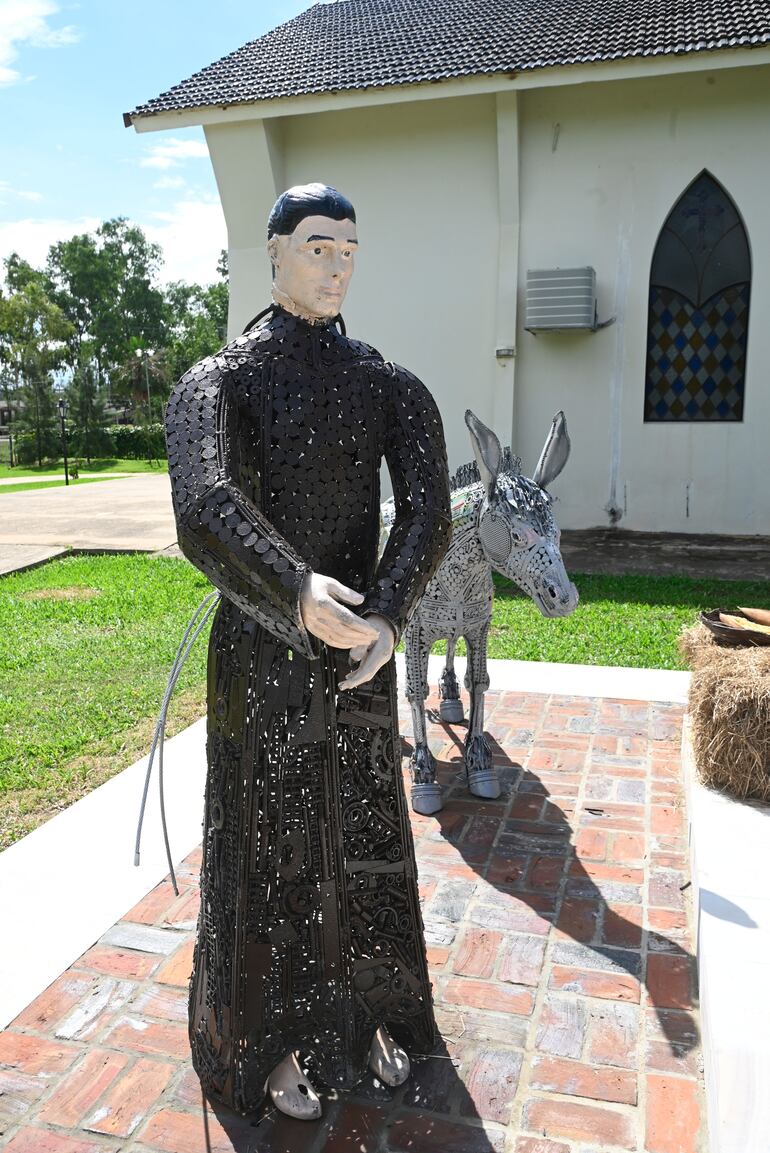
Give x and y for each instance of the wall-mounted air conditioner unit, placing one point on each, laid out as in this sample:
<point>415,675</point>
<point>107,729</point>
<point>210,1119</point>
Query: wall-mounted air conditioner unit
<point>561,298</point>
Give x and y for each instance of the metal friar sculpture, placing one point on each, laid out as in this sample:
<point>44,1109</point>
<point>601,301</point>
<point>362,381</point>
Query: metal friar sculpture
<point>502,520</point>
<point>310,956</point>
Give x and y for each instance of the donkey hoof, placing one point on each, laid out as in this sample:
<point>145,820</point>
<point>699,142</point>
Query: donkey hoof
<point>426,799</point>
<point>451,711</point>
<point>484,783</point>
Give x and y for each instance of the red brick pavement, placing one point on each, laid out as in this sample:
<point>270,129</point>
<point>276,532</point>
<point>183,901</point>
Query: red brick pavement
<point>559,939</point>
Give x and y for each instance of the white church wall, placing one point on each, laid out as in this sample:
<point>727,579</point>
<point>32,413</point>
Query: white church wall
<point>248,166</point>
<point>601,167</point>
<point>421,177</point>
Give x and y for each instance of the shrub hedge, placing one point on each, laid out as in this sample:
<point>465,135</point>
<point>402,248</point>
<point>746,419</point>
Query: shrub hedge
<point>125,441</point>
<point>138,441</point>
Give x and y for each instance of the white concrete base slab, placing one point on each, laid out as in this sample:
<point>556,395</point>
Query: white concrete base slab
<point>65,884</point>
<point>571,680</point>
<point>17,557</point>
<point>730,848</point>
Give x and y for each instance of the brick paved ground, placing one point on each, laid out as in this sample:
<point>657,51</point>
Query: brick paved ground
<point>559,941</point>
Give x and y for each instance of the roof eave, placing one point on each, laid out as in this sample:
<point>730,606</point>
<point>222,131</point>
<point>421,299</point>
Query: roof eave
<point>632,67</point>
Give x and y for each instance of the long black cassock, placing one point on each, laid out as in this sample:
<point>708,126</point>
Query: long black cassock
<point>310,934</point>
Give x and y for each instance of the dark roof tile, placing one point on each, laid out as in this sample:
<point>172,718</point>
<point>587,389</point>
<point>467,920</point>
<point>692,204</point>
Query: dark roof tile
<point>376,43</point>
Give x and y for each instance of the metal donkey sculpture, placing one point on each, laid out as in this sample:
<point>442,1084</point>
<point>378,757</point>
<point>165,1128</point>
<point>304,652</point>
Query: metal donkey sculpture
<point>504,521</point>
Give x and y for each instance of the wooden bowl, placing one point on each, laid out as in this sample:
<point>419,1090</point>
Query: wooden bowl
<point>727,635</point>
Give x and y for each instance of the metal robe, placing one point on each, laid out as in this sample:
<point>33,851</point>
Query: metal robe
<point>310,934</point>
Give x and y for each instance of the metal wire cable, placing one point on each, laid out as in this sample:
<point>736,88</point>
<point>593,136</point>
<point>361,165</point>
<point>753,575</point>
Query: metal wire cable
<point>208,603</point>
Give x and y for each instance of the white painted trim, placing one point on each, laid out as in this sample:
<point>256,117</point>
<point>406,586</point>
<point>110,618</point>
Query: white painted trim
<point>508,149</point>
<point>635,68</point>
<point>248,166</point>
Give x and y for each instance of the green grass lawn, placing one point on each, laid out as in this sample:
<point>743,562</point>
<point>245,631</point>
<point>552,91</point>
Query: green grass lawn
<point>627,620</point>
<point>86,644</point>
<point>111,464</point>
<point>83,676</point>
<point>6,489</point>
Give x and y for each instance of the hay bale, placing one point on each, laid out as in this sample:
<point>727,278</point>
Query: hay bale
<point>730,714</point>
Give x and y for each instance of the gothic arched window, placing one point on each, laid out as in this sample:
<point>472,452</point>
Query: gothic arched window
<point>700,283</point>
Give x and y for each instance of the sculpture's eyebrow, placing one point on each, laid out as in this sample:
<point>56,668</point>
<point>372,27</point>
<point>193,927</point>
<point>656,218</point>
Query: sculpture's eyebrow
<point>315,237</point>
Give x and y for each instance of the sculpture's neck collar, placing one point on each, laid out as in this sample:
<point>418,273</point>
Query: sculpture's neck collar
<point>287,304</point>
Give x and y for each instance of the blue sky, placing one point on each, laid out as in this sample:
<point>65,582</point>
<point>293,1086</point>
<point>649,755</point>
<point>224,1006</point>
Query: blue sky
<point>68,71</point>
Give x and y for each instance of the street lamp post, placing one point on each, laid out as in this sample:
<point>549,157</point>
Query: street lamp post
<point>62,412</point>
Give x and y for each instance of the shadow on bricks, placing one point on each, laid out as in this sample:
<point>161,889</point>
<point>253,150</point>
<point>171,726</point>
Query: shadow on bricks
<point>368,1119</point>
<point>550,854</point>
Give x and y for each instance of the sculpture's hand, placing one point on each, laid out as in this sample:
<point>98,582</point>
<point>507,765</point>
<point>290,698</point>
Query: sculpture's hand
<point>371,656</point>
<point>326,617</point>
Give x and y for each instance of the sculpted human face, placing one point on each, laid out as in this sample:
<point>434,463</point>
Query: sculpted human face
<point>313,266</point>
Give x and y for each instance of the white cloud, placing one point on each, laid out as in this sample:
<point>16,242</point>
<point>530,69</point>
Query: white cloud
<point>26,22</point>
<point>9,193</point>
<point>192,235</point>
<point>32,238</point>
<point>170,182</point>
<point>173,152</point>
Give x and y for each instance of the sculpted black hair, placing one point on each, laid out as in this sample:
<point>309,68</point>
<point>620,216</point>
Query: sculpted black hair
<point>292,206</point>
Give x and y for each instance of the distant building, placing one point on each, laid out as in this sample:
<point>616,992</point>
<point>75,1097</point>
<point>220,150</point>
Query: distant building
<point>7,414</point>
<point>483,141</point>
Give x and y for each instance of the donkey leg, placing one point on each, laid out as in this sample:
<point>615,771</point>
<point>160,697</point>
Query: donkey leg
<point>451,707</point>
<point>483,779</point>
<point>426,791</point>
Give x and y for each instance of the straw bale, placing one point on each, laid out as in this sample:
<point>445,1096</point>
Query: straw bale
<point>730,714</point>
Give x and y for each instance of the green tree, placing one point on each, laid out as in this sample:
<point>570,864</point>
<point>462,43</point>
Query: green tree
<point>81,287</point>
<point>136,313</point>
<point>85,409</point>
<point>196,319</point>
<point>37,435</point>
<point>33,343</point>
<point>105,283</point>
<point>149,372</point>
<point>96,312</point>
<point>9,373</point>
<point>19,273</point>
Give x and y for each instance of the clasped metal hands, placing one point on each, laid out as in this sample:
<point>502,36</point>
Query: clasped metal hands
<point>371,641</point>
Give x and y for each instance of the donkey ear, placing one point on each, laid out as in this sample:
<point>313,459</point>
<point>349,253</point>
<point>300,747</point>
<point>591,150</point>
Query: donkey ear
<point>486,449</point>
<point>555,452</point>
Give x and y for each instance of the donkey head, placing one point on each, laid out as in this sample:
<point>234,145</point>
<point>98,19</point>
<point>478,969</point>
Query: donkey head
<point>516,527</point>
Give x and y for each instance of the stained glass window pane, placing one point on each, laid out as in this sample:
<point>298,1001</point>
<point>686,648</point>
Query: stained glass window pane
<point>698,310</point>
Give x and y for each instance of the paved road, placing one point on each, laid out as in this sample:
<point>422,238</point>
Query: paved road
<point>131,513</point>
<point>135,512</point>
<point>12,480</point>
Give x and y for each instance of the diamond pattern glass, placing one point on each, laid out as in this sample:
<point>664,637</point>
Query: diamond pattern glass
<point>698,310</point>
<point>696,357</point>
